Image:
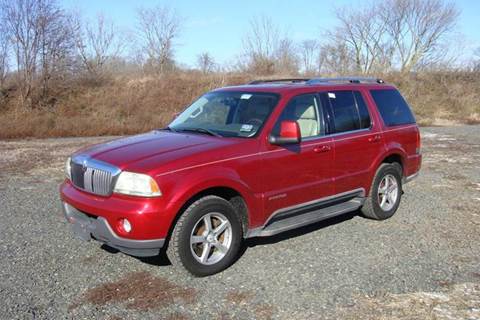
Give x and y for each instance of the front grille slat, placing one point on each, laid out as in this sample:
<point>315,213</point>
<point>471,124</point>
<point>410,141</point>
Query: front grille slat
<point>93,177</point>
<point>87,180</point>
<point>101,181</point>
<point>98,181</point>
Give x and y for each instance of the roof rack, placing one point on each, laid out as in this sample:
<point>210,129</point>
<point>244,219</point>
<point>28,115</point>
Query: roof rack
<point>286,80</point>
<point>345,79</point>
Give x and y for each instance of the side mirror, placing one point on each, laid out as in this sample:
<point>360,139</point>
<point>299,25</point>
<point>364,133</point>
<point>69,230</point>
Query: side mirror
<point>289,133</point>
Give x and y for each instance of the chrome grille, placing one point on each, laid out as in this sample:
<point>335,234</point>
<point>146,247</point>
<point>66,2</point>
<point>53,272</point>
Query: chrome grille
<point>93,176</point>
<point>97,181</point>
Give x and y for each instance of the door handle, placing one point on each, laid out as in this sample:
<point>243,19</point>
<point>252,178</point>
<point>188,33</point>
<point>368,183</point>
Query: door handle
<point>375,138</point>
<point>320,149</point>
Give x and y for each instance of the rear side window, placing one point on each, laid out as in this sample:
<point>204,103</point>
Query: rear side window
<point>392,107</point>
<point>349,111</point>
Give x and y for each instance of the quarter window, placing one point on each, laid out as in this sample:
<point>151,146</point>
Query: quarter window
<point>349,111</point>
<point>392,107</point>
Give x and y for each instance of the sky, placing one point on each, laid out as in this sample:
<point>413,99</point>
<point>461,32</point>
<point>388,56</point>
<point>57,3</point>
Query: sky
<point>218,26</point>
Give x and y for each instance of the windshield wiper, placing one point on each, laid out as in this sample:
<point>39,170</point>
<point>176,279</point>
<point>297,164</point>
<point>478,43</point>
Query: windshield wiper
<point>168,128</point>
<point>201,130</point>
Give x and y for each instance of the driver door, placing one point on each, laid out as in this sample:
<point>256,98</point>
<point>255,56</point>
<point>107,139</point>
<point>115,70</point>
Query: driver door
<point>296,174</point>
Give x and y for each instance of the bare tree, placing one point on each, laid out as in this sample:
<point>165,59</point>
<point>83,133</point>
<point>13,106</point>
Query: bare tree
<point>417,28</point>
<point>265,51</point>
<point>260,45</point>
<point>4,56</point>
<point>309,52</point>
<point>205,62</point>
<point>336,58</point>
<point>20,20</point>
<point>98,43</point>
<point>41,41</point>
<point>476,60</point>
<point>56,44</point>
<point>286,59</point>
<point>363,33</point>
<point>401,34</point>
<point>159,27</point>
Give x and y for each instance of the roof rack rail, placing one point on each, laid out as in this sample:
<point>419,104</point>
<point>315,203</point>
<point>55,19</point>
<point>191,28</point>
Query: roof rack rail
<point>286,80</point>
<point>346,79</point>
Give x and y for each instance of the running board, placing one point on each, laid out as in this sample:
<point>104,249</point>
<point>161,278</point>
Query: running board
<point>297,220</point>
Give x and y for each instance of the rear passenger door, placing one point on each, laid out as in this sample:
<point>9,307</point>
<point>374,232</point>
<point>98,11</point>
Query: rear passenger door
<point>357,142</point>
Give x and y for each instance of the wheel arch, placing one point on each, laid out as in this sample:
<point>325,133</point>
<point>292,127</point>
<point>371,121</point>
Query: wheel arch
<point>225,192</point>
<point>394,156</point>
<point>226,186</point>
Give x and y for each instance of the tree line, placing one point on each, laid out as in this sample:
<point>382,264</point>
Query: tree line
<point>44,47</point>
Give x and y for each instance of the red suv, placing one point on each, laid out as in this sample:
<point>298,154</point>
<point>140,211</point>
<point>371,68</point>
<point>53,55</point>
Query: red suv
<point>246,161</point>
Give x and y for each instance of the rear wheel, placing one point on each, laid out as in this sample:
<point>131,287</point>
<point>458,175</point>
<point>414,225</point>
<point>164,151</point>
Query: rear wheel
<point>385,192</point>
<point>206,238</point>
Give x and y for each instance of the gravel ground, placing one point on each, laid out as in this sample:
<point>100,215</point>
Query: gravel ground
<point>423,263</point>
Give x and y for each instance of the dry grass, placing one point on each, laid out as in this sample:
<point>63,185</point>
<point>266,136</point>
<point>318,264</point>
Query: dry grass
<point>240,297</point>
<point>453,302</point>
<point>139,291</point>
<point>29,157</point>
<point>132,105</point>
<point>442,98</point>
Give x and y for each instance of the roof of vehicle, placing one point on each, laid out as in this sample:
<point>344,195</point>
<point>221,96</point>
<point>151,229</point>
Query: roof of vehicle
<point>303,84</point>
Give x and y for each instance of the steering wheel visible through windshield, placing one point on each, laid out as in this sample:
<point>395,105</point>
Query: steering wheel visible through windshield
<point>227,114</point>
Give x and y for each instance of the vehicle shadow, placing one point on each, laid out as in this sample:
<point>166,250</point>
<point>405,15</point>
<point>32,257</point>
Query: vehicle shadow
<point>159,260</point>
<point>162,259</point>
<point>252,242</point>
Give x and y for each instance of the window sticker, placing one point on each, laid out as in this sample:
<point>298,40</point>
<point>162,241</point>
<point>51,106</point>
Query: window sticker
<point>196,113</point>
<point>246,128</point>
<point>331,95</point>
<point>246,96</point>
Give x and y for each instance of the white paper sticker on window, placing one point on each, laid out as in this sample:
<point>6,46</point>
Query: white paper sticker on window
<point>246,96</point>
<point>331,95</point>
<point>246,127</point>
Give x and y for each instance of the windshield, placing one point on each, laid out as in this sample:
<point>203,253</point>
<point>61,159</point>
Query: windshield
<point>227,114</point>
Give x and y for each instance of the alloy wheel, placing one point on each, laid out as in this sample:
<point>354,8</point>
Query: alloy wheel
<point>211,238</point>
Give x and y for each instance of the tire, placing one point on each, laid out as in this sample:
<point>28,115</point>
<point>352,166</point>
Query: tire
<point>212,251</point>
<point>387,176</point>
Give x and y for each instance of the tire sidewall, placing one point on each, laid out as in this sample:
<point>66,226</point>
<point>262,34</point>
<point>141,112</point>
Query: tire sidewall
<point>185,254</point>
<point>385,170</point>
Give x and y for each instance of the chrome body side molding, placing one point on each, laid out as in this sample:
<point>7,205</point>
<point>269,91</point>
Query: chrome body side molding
<point>309,212</point>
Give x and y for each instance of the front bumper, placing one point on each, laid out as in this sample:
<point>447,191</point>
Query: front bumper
<point>86,227</point>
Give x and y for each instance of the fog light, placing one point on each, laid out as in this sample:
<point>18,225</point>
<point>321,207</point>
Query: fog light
<point>125,225</point>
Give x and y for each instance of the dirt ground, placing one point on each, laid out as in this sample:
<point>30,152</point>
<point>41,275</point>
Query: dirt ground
<point>423,263</point>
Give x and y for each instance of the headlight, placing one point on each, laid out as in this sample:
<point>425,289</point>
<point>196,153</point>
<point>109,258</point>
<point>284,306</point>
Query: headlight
<point>68,168</point>
<point>137,184</point>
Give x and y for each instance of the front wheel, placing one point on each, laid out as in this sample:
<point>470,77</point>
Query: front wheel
<point>206,238</point>
<point>385,192</point>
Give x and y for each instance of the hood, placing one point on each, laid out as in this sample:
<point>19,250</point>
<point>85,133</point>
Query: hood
<point>159,146</point>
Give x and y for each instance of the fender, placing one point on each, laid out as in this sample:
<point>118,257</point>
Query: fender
<point>190,183</point>
<point>392,148</point>
<point>395,148</point>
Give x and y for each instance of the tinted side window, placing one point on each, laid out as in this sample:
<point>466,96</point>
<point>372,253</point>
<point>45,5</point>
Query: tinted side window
<point>305,110</point>
<point>345,113</point>
<point>392,107</point>
<point>362,111</point>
